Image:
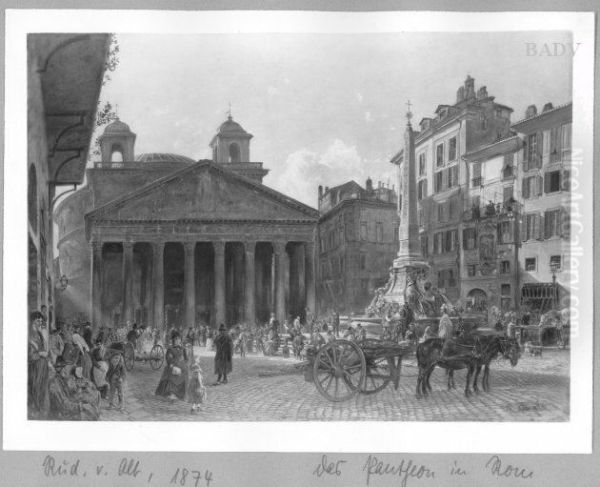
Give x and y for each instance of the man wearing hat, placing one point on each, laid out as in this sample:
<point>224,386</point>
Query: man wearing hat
<point>224,355</point>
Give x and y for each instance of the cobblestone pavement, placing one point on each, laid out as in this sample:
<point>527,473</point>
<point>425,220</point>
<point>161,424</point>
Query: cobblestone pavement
<point>274,389</point>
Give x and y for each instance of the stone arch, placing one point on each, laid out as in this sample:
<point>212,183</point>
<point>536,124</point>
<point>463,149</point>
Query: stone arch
<point>234,152</point>
<point>117,154</point>
<point>477,300</point>
<point>32,201</point>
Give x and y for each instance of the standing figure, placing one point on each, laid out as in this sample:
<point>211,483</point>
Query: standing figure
<point>172,382</point>
<point>224,355</point>
<point>37,365</point>
<point>115,377</point>
<point>197,390</point>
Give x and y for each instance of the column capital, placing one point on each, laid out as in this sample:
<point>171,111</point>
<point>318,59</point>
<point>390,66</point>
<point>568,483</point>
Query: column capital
<point>127,245</point>
<point>158,245</point>
<point>96,245</point>
<point>189,246</point>
<point>219,247</point>
<point>250,246</point>
<point>279,247</point>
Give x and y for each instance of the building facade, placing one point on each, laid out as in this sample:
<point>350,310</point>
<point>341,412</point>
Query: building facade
<point>544,186</point>
<point>357,242</point>
<point>484,190</point>
<point>65,73</point>
<point>443,179</point>
<point>165,240</point>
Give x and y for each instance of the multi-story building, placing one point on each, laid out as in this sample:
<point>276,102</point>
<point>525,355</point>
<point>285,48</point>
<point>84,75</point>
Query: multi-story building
<point>443,180</point>
<point>543,184</point>
<point>489,266</point>
<point>357,242</point>
<point>493,202</point>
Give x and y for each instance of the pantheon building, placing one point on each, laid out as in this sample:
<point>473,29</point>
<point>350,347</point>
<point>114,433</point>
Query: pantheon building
<point>161,239</point>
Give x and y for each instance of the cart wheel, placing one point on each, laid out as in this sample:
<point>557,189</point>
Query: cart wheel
<point>378,376</point>
<point>157,357</point>
<point>339,370</point>
<point>129,356</point>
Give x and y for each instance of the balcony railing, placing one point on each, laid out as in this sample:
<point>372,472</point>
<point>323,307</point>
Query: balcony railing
<point>508,209</point>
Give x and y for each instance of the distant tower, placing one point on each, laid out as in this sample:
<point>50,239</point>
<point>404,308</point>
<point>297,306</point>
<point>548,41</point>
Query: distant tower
<point>117,142</point>
<point>231,144</point>
<point>231,148</point>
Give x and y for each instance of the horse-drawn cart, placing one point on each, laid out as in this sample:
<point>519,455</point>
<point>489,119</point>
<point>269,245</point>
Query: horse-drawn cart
<point>342,368</point>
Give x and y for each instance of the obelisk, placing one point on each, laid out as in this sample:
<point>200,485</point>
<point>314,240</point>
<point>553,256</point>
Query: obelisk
<point>409,263</point>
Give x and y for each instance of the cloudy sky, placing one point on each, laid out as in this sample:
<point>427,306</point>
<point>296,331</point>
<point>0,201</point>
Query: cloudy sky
<point>323,109</point>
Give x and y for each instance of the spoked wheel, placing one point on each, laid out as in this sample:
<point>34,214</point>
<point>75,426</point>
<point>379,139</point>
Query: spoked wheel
<point>339,370</point>
<point>129,356</point>
<point>157,357</point>
<point>378,375</point>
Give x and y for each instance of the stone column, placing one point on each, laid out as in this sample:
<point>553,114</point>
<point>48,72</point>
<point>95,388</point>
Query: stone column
<point>96,286</point>
<point>250,247</point>
<point>127,281</point>
<point>158,250</point>
<point>309,276</point>
<point>219,248</point>
<point>280,268</point>
<point>189,281</point>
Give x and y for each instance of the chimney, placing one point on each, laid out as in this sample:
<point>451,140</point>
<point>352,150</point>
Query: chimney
<point>369,184</point>
<point>320,191</point>
<point>482,92</point>
<point>547,106</point>
<point>460,94</point>
<point>469,88</point>
<point>531,111</point>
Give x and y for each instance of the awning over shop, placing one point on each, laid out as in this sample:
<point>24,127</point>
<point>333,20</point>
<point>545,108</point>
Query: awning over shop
<point>539,290</point>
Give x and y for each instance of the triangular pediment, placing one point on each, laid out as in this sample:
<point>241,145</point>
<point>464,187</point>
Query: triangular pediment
<point>204,191</point>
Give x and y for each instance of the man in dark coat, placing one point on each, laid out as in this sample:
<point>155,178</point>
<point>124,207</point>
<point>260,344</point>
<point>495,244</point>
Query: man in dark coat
<point>224,355</point>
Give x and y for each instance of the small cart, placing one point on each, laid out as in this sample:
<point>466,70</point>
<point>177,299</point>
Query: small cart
<point>156,356</point>
<point>342,368</point>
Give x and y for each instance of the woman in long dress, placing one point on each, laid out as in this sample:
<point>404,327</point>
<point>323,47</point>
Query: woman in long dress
<point>172,382</point>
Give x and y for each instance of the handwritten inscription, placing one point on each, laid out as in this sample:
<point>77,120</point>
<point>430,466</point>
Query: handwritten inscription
<point>457,470</point>
<point>496,468</point>
<point>328,468</point>
<point>127,467</point>
<point>54,468</point>
<point>404,470</point>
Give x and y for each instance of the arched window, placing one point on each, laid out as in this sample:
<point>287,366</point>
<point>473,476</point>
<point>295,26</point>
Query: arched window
<point>234,152</point>
<point>32,202</point>
<point>116,153</point>
<point>477,300</point>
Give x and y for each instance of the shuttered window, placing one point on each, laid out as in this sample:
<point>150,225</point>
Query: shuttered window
<point>552,223</point>
<point>566,141</point>
<point>439,155</point>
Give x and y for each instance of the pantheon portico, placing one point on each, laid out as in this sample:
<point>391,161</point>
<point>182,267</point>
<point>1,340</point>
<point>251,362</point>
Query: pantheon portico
<point>205,242</point>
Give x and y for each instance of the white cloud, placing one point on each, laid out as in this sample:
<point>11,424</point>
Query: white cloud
<point>273,91</point>
<point>305,170</point>
<point>368,117</point>
<point>359,96</point>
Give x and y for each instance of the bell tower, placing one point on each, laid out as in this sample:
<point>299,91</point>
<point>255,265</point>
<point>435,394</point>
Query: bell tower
<point>117,143</point>
<point>231,149</point>
<point>231,144</point>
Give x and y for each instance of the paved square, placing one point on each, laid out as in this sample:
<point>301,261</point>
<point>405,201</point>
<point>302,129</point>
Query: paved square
<point>274,389</point>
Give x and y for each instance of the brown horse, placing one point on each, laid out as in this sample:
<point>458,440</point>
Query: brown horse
<point>491,347</point>
<point>451,355</point>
